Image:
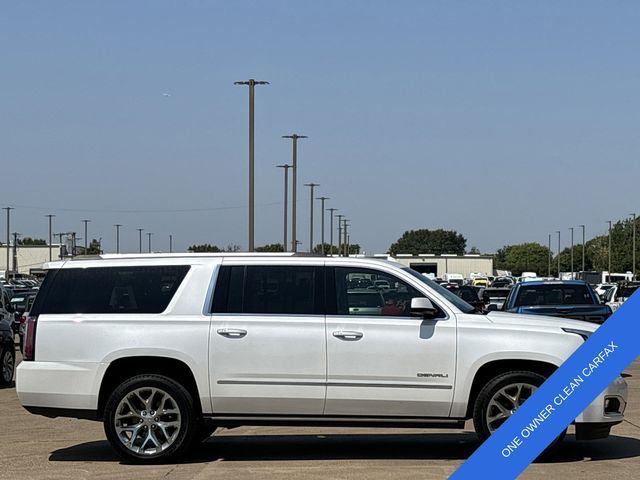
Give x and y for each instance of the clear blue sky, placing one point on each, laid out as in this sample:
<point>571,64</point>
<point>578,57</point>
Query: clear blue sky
<point>502,120</point>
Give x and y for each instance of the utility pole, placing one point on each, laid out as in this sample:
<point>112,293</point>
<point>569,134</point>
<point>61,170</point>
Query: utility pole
<point>15,251</point>
<point>117,225</point>
<point>549,256</point>
<point>583,248</point>
<point>558,232</point>
<point>331,210</point>
<point>60,242</point>
<point>286,200</point>
<point>322,200</point>
<point>149,234</point>
<point>50,216</point>
<point>572,277</point>
<point>609,222</point>
<point>170,243</point>
<point>633,256</point>
<point>345,244</point>
<point>140,230</point>
<point>251,83</point>
<point>8,209</point>
<point>339,234</point>
<point>85,235</point>
<point>311,186</point>
<point>294,189</point>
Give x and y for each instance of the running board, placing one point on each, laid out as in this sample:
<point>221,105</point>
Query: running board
<point>232,421</point>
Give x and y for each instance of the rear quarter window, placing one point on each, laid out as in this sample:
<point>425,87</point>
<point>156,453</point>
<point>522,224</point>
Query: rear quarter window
<point>112,289</point>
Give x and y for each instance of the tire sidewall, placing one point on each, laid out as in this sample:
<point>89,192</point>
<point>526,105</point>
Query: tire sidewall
<point>489,390</point>
<point>6,352</point>
<point>184,402</point>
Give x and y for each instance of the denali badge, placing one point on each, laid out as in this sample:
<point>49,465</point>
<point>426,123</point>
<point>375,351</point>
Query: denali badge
<point>434,375</point>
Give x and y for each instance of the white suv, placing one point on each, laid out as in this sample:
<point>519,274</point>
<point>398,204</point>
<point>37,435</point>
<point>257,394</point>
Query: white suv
<point>165,348</point>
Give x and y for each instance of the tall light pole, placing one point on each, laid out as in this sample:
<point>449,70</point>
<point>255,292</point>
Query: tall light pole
<point>339,234</point>
<point>8,209</point>
<point>149,234</point>
<point>252,83</point>
<point>311,187</point>
<point>50,216</point>
<point>584,248</point>
<point>170,243</point>
<point>294,189</point>
<point>633,255</point>
<point>117,225</point>
<point>15,251</point>
<point>609,222</point>
<point>322,200</point>
<point>572,277</point>
<point>558,232</point>
<point>549,256</point>
<point>286,168</point>
<point>85,235</point>
<point>140,230</point>
<point>331,210</point>
<point>345,244</point>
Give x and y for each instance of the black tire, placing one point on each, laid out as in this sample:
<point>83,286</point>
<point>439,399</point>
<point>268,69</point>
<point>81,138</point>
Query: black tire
<point>7,365</point>
<point>494,386</point>
<point>186,433</point>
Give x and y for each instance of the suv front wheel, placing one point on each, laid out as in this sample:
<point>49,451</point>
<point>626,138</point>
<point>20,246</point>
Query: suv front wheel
<point>150,418</point>
<point>501,397</point>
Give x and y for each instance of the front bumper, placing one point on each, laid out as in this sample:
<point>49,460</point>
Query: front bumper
<point>604,412</point>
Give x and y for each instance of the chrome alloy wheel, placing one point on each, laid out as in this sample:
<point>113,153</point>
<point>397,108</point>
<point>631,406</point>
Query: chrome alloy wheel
<point>147,421</point>
<point>505,402</point>
<point>7,367</point>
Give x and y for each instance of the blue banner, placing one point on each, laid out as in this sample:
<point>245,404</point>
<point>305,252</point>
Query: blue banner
<point>560,399</point>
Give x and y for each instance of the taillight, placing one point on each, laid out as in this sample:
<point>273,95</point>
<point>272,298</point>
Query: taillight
<point>29,351</point>
<point>23,319</point>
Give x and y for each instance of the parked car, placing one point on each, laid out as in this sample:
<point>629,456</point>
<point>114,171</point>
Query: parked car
<point>23,320</point>
<point>467,293</point>
<point>502,282</point>
<point>495,297</point>
<point>365,302</point>
<point>567,298</point>
<point>480,282</point>
<point>603,288</point>
<point>619,293</point>
<point>7,354</point>
<point>164,349</point>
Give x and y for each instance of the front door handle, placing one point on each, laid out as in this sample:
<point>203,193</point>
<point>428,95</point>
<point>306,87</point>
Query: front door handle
<point>232,332</point>
<point>347,335</point>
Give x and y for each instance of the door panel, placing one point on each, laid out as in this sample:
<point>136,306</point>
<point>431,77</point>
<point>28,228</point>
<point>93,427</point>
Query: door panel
<point>268,349</point>
<point>392,364</point>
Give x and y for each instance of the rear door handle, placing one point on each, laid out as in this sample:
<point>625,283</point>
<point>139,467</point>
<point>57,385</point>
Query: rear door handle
<point>232,332</point>
<point>347,335</point>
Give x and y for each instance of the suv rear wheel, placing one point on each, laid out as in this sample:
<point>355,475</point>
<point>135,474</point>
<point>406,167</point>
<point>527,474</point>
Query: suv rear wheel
<point>501,397</point>
<point>150,418</point>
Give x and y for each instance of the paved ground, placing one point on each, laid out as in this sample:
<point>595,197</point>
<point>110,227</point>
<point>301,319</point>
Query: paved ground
<point>37,447</point>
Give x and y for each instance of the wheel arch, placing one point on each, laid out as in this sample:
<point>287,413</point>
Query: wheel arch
<point>496,367</point>
<point>123,368</point>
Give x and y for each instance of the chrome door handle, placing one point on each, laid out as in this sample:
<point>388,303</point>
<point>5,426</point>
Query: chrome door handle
<point>347,335</point>
<point>232,332</point>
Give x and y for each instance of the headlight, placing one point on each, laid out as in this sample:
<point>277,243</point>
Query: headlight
<point>585,334</point>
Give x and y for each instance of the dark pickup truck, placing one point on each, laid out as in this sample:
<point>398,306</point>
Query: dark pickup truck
<point>569,299</point>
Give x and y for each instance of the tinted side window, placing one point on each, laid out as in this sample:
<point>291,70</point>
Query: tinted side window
<point>284,290</point>
<point>368,292</point>
<point>113,289</point>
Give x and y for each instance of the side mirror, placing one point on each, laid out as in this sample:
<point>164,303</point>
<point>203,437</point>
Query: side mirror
<point>423,308</point>
<point>492,307</point>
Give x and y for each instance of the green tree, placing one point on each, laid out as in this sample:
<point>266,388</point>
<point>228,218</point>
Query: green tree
<point>205,247</point>
<point>31,241</point>
<point>429,241</point>
<point>474,251</point>
<point>94,248</point>
<point>271,247</point>
<point>526,257</point>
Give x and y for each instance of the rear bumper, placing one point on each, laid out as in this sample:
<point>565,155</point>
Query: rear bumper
<point>59,385</point>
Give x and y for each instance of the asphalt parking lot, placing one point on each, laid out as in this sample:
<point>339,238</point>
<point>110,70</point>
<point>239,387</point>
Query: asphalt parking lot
<point>33,447</point>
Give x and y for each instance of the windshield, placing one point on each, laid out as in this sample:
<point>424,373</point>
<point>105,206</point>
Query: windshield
<point>460,304</point>
<point>551,294</point>
<point>626,292</point>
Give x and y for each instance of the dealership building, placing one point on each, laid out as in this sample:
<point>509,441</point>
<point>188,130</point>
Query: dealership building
<point>28,259</point>
<point>438,265</point>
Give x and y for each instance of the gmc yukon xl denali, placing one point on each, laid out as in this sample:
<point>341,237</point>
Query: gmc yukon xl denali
<point>165,348</point>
